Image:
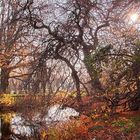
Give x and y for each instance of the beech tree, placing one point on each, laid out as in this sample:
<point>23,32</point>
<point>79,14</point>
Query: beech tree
<point>81,31</point>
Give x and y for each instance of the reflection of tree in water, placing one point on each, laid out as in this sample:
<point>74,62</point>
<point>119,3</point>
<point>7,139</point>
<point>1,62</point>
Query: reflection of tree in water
<point>5,130</point>
<point>19,129</point>
<point>5,125</point>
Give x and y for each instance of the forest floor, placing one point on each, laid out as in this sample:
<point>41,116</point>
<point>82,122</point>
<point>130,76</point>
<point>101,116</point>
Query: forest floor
<point>121,126</point>
<point>94,124</point>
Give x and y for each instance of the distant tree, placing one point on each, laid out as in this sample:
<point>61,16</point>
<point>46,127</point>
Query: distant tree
<point>14,49</point>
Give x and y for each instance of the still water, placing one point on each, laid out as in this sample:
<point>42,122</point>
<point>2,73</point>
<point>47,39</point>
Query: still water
<point>15,124</point>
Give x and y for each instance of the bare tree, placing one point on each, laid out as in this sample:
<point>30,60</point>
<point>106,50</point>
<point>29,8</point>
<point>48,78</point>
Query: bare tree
<point>15,43</point>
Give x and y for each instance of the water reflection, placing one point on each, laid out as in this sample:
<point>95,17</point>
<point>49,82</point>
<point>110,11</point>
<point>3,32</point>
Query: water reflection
<point>56,113</point>
<point>19,125</point>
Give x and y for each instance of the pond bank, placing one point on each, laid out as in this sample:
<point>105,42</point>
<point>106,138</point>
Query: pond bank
<point>18,124</point>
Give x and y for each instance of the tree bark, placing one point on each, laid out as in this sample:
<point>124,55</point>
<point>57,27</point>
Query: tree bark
<point>4,80</point>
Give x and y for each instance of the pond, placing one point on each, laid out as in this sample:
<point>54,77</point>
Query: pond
<point>16,125</point>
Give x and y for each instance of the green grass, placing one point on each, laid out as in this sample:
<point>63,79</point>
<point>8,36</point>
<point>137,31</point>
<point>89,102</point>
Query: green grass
<point>127,124</point>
